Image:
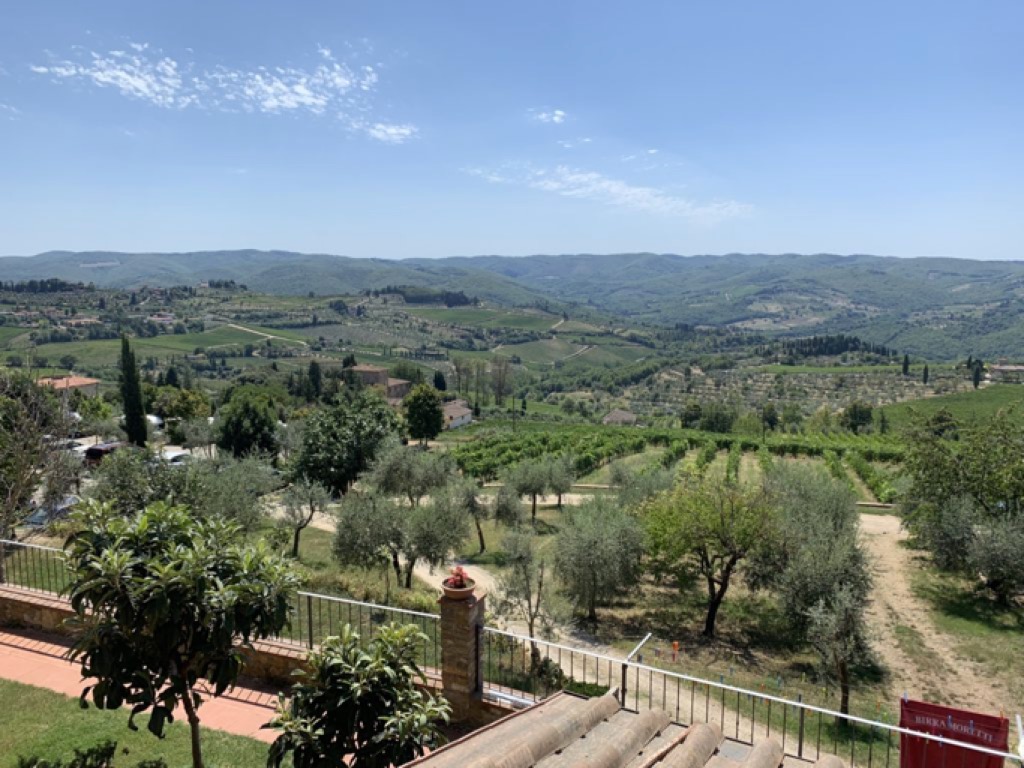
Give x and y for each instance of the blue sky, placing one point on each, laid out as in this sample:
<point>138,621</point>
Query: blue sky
<point>396,129</point>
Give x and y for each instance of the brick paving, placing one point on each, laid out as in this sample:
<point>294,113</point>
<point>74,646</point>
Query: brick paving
<point>36,659</point>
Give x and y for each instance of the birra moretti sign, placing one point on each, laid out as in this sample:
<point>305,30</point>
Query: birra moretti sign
<point>969,727</point>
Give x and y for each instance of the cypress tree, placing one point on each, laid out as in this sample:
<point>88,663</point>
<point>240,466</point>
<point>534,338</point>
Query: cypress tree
<point>131,396</point>
<point>906,365</point>
<point>315,381</point>
<point>924,375</point>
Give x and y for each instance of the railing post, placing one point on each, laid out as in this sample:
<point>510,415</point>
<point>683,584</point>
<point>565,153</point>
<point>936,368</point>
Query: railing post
<point>309,619</point>
<point>622,688</point>
<point>800,736</point>
<point>462,624</point>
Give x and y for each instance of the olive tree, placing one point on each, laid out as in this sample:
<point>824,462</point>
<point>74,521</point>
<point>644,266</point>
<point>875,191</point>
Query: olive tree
<point>523,592</point>
<point>374,530</point>
<point>597,553</point>
<point>360,705</point>
<point>400,470</point>
<point>709,527</point>
<point>303,500</point>
<point>164,602</point>
<point>837,631</point>
<point>530,478</point>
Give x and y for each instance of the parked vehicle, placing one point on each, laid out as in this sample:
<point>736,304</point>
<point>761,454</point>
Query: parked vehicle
<point>48,513</point>
<point>94,454</point>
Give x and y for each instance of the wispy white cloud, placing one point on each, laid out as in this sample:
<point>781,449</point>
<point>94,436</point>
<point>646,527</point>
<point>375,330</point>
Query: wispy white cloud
<point>590,185</point>
<point>341,89</point>
<point>565,144</point>
<point>11,113</point>
<point>391,133</point>
<point>556,116</point>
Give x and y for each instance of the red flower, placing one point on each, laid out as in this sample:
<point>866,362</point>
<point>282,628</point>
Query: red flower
<point>458,578</point>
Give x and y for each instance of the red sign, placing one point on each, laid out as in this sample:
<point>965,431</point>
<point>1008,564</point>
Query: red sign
<point>970,727</point>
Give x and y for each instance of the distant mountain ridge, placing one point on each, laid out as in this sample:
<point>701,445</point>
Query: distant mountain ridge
<point>931,306</point>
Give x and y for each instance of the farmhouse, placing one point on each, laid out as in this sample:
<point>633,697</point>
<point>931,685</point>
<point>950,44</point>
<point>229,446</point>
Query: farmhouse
<point>620,418</point>
<point>376,376</point>
<point>1008,374</point>
<point>66,384</point>
<point>457,414</point>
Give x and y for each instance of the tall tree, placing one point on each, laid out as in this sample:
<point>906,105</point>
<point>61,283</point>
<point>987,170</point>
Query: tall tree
<point>709,526</point>
<point>501,379</point>
<point>424,413</point>
<point>856,416</point>
<point>906,365</point>
<point>131,396</point>
<point>439,382</point>
<point>167,600</point>
<point>248,423</point>
<point>924,374</point>
<point>976,372</point>
<point>340,442</point>
<point>314,381</point>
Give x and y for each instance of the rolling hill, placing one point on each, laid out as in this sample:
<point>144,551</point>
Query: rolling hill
<point>939,308</point>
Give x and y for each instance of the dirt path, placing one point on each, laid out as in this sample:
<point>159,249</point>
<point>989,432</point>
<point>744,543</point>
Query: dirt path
<point>264,335</point>
<point>922,660</point>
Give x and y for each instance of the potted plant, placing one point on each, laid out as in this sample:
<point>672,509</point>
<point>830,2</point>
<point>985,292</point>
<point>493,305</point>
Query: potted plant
<point>458,586</point>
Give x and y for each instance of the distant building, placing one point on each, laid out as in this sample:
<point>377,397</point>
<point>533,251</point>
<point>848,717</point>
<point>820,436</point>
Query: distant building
<point>371,375</point>
<point>457,414</point>
<point>1007,374</point>
<point>65,384</point>
<point>376,376</point>
<point>620,418</point>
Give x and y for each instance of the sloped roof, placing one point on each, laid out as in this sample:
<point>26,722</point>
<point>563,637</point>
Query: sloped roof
<point>619,416</point>
<point>567,731</point>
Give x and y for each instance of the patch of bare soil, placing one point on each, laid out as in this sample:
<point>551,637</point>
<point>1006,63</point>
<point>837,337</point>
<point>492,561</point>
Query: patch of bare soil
<point>922,661</point>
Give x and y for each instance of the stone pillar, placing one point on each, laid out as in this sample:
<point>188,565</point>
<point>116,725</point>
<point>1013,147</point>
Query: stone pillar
<point>462,624</point>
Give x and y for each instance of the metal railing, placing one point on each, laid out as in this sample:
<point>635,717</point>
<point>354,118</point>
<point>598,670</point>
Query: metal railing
<point>521,668</point>
<point>316,616</point>
<point>532,669</point>
<point>313,618</point>
<point>33,567</point>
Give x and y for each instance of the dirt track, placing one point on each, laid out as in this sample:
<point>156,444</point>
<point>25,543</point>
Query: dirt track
<point>927,665</point>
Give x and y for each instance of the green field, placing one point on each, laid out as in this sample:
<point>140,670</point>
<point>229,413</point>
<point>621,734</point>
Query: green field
<point>49,725</point>
<point>973,405</point>
<point>485,318</point>
<point>9,333</point>
<point>542,353</point>
<point>103,352</point>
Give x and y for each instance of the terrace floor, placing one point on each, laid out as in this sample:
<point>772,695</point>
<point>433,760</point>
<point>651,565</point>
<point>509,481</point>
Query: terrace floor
<point>39,659</point>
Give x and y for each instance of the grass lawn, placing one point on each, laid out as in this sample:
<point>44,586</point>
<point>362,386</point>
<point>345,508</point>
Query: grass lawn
<point>49,725</point>
<point>985,632</point>
<point>967,406</point>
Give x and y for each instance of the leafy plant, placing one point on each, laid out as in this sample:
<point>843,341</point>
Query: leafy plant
<point>359,706</point>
